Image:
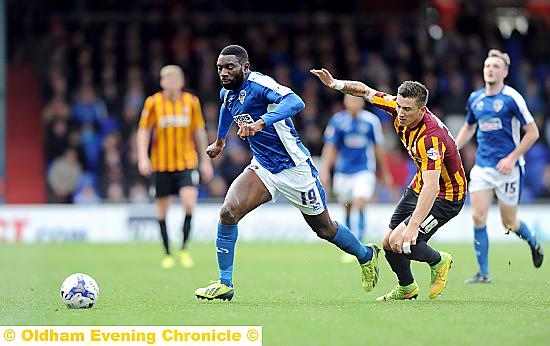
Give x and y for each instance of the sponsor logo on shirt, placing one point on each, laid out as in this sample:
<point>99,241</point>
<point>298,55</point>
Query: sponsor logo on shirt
<point>433,154</point>
<point>241,119</point>
<point>490,124</point>
<point>175,120</point>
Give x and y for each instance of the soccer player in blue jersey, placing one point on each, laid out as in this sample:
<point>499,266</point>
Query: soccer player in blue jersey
<point>498,112</point>
<point>281,165</point>
<point>353,141</point>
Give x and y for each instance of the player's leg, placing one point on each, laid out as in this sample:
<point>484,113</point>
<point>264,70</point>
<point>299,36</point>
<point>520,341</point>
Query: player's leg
<point>481,197</point>
<point>343,188</point>
<point>302,188</point>
<point>346,257</point>
<point>347,208</point>
<point>364,183</point>
<point>246,193</point>
<point>188,181</point>
<point>508,197</point>
<point>440,262</point>
<point>162,183</point>
<point>399,263</point>
<point>162,209</point>
<point>188,196</point>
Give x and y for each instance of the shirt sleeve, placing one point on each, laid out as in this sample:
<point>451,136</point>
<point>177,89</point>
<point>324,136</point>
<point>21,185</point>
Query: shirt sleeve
<point>520,109</point>
<point>148,119</point>
<point>470,117</point>
<point>225,119</point>
<point>431,151</point>
<point>332,135</point>
<point>385,102</point>
<point>287,106</point>
<point>198,118</point>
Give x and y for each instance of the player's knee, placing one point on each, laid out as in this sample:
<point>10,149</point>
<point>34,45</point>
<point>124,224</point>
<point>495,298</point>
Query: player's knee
<point>386,244</point>
<point>479,217</point>
<point>229,215</point>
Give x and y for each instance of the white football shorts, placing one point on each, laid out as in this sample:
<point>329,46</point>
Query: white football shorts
<point>300,185</point>
<point>507,186</point>
<point>349,187</point>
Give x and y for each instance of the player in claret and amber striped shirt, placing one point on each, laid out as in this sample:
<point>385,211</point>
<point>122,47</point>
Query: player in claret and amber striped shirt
<point>174,117</point>
<point>436,193</point>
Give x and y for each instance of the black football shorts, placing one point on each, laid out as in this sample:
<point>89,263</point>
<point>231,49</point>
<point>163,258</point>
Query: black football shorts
<point>169,183</point>
<point>442,211</point>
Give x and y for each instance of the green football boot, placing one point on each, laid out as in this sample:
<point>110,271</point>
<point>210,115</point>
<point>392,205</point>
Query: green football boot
<point>369,270</point>
<point>216,290</point>
<point>439,274</point>
<point>401,293</point>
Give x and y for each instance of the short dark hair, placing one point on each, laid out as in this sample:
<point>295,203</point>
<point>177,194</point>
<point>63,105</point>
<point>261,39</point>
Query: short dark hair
<point>238,51</point>
<point>415,90</point>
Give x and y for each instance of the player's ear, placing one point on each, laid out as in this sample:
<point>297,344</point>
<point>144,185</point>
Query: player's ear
<point>246,67</point>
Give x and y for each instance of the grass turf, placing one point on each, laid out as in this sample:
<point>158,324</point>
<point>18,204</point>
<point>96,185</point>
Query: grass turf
<point>300,293</point>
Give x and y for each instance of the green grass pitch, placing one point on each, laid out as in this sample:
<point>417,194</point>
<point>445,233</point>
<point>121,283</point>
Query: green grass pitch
<point>299,293</point>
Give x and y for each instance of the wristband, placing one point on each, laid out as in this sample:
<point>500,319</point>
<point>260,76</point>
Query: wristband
<point>339,85</point>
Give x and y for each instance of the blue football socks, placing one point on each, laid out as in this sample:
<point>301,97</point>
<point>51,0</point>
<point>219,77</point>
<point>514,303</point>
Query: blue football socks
<point>349,243</point>
<point>225,249</point>
<point>481,246</point>
<point>525,233</point>
<point>361,226</point>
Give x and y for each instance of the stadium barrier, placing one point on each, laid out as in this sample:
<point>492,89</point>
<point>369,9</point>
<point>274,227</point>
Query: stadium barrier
<point>270,222</point>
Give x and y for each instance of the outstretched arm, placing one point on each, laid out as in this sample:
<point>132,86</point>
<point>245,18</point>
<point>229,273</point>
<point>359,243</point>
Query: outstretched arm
<point>354,88</point>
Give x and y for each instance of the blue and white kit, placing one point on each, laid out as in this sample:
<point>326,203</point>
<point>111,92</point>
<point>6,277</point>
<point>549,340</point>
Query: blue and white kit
<point>499,119</point>
<point>281,161</point>
<point>354,138</point>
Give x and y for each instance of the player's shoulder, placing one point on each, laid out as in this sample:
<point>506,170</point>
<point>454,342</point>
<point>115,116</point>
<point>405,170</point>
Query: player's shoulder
<point>223,93</point>
<point>511,94</point>
<point>369,117</point>
<point>261,81</point>
<point>150,100</point>
<point>476,94</point>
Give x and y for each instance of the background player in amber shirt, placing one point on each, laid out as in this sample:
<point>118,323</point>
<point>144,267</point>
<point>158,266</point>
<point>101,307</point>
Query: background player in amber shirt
<point>436,193</point>
<point>179,139</point>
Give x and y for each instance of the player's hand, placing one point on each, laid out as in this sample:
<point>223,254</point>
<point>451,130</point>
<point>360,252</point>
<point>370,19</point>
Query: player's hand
<point>325,180</point>
<point>325,77</point>
<point>144,166</point>
<point>408,236</point>
<point>248,130</point>
<point>506,165</point>
<point>387,179</point>
<point>214,149</point>
<point>206,170</point>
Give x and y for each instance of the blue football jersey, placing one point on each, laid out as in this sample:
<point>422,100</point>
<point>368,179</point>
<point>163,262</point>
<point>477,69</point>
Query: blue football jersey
<point>354,138</point>
<point>499,118</point>
<point>277,146</point>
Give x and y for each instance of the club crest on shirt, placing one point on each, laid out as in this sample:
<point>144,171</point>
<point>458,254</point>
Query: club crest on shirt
<point>432,154</point>
<point>242,95</point>
<point>497,105</point>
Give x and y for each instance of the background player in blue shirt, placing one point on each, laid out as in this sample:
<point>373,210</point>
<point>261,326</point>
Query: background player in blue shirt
<point>281,165</point>
<point>353,146</point>
<point>498,112</point>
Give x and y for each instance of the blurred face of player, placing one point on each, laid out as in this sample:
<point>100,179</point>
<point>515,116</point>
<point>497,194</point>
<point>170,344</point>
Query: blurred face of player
<point>353,104</point>
<point>172,82</point>
<point>494,70</point>
<point>231,72</point>
<point>409,113</point>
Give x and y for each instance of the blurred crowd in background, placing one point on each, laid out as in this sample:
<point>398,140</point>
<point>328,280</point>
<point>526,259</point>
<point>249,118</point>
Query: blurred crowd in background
<point>97,68</point>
